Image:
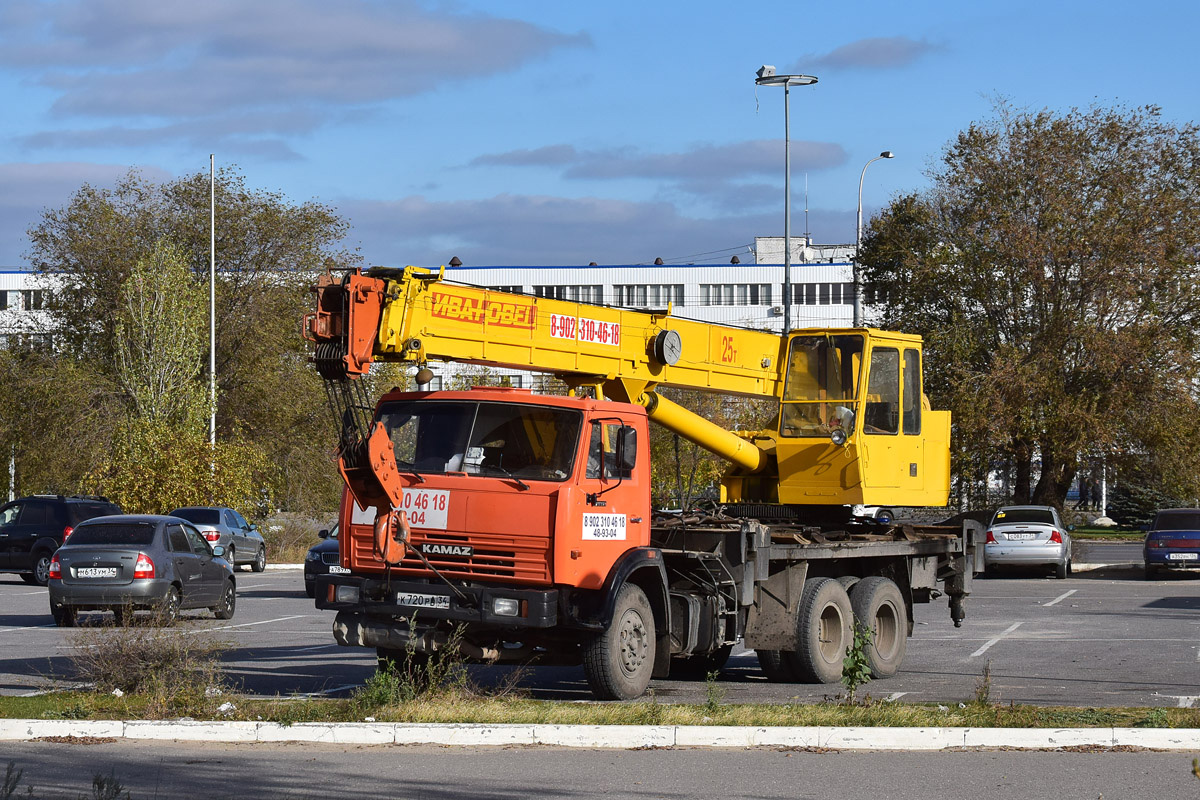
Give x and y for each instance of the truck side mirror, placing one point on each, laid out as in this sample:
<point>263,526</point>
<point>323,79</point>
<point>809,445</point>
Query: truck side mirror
<point>626,449</point>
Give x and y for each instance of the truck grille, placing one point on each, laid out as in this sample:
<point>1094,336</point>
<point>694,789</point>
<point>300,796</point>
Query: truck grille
<point>509,558</point>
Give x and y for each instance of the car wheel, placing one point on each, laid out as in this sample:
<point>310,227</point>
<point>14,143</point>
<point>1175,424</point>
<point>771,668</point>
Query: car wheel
<point>228,602</point>
<point>40,575</point>
<point>310,588</point>
<point>1150,572</point>
<point>618,662</point>
<point>260,560</point>
<point>884,515</point>
<point>122,616</point>
<point>231,557</point>
<point>64,616</point>
<point>168,609</point>
<point>1060,570</point>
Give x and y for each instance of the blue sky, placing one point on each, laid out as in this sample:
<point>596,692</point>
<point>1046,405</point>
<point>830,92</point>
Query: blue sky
<point>550,131</point>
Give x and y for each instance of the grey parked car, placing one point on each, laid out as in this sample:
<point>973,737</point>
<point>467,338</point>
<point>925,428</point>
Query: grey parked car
<point>1028,536</point>
<point>242,542</point>
<point>139,561</point>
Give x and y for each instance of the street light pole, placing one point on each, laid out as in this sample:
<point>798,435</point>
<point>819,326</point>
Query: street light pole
<point>858,240</point>
<point>767,77</point>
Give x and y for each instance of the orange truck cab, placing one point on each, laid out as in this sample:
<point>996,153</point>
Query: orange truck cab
<point>523,510</point>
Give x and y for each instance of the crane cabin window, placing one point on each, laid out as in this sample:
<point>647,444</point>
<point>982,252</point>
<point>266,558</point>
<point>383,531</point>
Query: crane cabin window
<point>820,393</point>
<point>912,392</point>
<point>882,407</point>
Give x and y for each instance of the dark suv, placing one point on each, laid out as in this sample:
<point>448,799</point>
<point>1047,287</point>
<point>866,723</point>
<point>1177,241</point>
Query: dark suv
<point>32,528</point>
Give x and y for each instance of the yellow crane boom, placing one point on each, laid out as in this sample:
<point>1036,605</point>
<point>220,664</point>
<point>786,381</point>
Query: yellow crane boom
<point>864,384</point>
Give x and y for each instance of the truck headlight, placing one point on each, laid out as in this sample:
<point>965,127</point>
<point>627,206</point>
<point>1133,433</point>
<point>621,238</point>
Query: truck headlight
<point>506,607</point>
<point>345,594</point>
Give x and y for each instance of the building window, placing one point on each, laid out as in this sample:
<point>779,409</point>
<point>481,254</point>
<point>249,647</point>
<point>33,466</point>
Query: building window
<point>506,289</point>
<point>739,294</point>
<point>3,301</point>
<point>648,295</point>
<point>576,294</point>
<point>33,299</point>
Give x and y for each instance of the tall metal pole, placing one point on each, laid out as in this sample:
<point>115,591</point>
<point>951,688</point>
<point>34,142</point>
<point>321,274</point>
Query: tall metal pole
<point>767,77</point>
<point>787,211</point>
<point>857,276</point>
<point>212,304</point>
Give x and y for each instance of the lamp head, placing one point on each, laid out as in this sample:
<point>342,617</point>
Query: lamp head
<point>887,154</point>
<point>766,71</point>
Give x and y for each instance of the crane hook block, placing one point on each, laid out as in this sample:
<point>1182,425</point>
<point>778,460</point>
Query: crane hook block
<point>391,533</point>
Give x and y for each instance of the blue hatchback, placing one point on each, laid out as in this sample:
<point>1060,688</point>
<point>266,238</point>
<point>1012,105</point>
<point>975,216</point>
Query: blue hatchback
<point>1173,541</point>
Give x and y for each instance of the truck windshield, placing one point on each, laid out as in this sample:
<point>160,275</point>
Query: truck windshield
<point>489,439</point>
<point>822,382</point>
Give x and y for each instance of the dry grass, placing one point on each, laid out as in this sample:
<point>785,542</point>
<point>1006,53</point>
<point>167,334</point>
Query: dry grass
<point>288,537</point>
<point>466,707</point>
<point>163,671</point>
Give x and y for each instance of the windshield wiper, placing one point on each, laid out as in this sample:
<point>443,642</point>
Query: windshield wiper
<point>508,474</point>
<point>407,467</point>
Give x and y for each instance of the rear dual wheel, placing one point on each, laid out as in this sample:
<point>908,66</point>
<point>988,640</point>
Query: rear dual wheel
<point>825,631</point>
<point>878,604</point>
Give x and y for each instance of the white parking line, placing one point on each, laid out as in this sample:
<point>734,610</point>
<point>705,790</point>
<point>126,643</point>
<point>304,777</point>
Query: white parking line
<point>248,624</point>
<point>991,642</point>
<point>1060,598</point>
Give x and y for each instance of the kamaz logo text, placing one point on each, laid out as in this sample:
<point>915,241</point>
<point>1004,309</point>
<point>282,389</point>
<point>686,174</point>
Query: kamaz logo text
<point>431,549</point>
<point>479,310</point>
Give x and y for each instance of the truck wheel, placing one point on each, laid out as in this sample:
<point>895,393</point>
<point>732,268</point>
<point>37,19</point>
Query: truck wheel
<point>694,667</point>
<point>878,604</point>
<point>776,666</point>
<point>823,631</point>
<point>618,662</point>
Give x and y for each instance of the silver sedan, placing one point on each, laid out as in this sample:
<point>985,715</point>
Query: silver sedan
<point>1022,536</point>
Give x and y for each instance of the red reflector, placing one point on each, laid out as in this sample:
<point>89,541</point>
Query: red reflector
<point>67,531</point>
<point>1056,537</point>
<point>212,536</point>
<point>990,538</point>
<point>55,567</point>
<point>144,568</point>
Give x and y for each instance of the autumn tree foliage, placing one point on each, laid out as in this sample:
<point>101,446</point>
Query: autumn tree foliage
<point>1053,268</point>
<point>125,261</point>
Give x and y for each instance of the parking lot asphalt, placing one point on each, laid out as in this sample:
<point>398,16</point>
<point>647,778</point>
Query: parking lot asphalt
<point>1100,638</point>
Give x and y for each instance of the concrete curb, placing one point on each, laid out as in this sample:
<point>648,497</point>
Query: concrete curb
<point>624,737</point>
<point>284,566</point>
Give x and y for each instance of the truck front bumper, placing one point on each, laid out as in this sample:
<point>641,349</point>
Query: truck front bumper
<point>491,606</point>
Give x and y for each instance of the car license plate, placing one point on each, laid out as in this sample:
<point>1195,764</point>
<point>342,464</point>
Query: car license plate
<point>337,569</point>
<point>1182,556</point>
<point>1021,536</point>
<point>423,600</point>
<point>96,572</point>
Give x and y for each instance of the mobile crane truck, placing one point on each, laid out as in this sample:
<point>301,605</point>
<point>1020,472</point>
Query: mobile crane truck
<point>518,527</point>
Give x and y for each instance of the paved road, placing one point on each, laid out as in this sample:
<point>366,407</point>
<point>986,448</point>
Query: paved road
<point>176,770</point>
<point>1100,638</point>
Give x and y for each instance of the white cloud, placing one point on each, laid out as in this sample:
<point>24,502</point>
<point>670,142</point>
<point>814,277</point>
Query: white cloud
<point>885,52</point>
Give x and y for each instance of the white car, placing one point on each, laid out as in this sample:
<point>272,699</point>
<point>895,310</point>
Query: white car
<point>1028,536</point>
